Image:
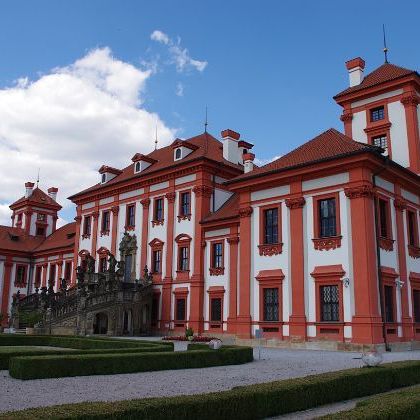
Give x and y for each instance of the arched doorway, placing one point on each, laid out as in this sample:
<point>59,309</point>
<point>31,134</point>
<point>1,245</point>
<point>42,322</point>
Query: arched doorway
<point>100,325</point>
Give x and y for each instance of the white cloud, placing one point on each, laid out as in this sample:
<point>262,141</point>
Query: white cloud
<point>179,55</point>
<point>262,162</point>
<point>179,89</point>
<point>69,122</point>
<point>160,36</point>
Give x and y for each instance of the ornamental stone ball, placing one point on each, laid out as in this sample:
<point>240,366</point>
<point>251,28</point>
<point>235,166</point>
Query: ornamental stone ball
<point>372,358</point>
<point>215,344</point>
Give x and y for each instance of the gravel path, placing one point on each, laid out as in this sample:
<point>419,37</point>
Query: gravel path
<point>275,364</point>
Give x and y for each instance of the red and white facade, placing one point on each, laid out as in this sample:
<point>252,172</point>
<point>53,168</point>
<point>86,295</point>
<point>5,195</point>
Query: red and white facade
<point>319,245</point>
<point>33,252</point>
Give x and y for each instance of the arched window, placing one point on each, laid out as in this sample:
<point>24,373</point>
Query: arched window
<point>103,178</point>
<point>244,151</point>
<point>178,154</point>
<point>137,169</point>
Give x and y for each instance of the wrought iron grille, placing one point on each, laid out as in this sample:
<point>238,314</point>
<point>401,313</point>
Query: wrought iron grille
<point>271,304</point>
<point>330,303</point>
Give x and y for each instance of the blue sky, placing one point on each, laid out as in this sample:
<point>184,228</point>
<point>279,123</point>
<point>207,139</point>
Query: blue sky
<point>272,67</point>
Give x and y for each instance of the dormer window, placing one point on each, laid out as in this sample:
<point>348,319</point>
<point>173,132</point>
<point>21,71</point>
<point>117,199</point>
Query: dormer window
<point>377,114</point>
<point>107,173</point>
<point>182,149</point>
<point>142,162</point>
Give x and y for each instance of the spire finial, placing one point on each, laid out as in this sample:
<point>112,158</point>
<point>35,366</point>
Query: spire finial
<point>385,47</point>
<point>37,178</point>
<point>206,123</point>
<point>156,137</point>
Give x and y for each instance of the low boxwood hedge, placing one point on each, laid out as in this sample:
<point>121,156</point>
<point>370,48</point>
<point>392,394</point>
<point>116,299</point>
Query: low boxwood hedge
<point>247,402</point>
<point>398,405</point>
<point>5,357</point>
<point>76,342</point>
<point>36,367</point>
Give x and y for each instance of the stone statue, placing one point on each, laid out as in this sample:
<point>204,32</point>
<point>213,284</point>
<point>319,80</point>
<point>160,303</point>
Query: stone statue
<point>80,275</point>
<point>63,285</point>
<point>112,263</point>
<point>121,268</point>
<point>147,276</point>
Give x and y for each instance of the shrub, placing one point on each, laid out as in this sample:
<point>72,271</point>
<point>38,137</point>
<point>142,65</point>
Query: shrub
<point>36,367</point>
<point>30,318</point>
<point>196,338</point>
<point>189,332</point>
<point>247,402</point>
<point>398,405</point>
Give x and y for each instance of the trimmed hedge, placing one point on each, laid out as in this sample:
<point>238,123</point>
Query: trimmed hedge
<point>5,357</point>
<point>37,367</point>
<point>398,405</point>
<point>76,342</point>
<point>248,402</point>
<point>74,345</point>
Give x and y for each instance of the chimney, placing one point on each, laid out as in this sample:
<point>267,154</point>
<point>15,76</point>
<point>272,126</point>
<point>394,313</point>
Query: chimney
<point>355,68</point>
<point>230,145</point>
<point>29,186</point>
<point>248,162</point>
<point>52,192</point>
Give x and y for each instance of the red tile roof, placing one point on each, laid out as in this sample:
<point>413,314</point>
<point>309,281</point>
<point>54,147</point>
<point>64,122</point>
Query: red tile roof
<point>15,239</point>
<point>207,146</point>
<point>329,144</point>
<point>38,197</point>
<point>63,237</point>
<point>382,74</point>
<point>229,210</point>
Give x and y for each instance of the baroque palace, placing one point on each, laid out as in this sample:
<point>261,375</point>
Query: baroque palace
<point>320,245</point>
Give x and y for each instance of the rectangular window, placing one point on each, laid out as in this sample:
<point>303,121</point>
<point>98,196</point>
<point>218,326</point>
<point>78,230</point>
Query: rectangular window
<point>19,217</point>
<point>159,209</point>
<point>40,231</point>
<point>389,303</point>
<point>105,221</point>
<point>416,305</point>
<point>86,225</point>
<point>380,141</point>
<point>131,216</point>
<point>20,275</point>
<point>41,217</point>
<point>271,304</point>
<point>271,226</point>
<point>180,309</point>
<point>383,218</point>
<point>377,114</point>
<point>38,274</point>
<point>330,304</point>
<point>183,259</point>
<point>217,250</point>
<point>157,261</point>
<point>216,309</point>
<point>102,265</point>
<point>67,271</point>
<point>185,201</point>
<point>327,218</point>
<point>412,228</point>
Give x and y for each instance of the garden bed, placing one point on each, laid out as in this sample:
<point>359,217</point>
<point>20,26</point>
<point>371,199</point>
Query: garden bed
<point>398,405</point>
<point>195,339</point>
<point>246,402</point>
<point>56,366</point>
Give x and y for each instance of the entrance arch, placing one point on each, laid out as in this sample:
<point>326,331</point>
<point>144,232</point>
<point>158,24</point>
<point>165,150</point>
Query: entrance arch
<point>100,324</point>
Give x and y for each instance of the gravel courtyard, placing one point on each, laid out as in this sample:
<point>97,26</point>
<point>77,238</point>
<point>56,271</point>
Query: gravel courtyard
<point>275,364</point>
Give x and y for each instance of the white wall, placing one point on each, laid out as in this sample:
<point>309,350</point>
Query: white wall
<point>398,133</point>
